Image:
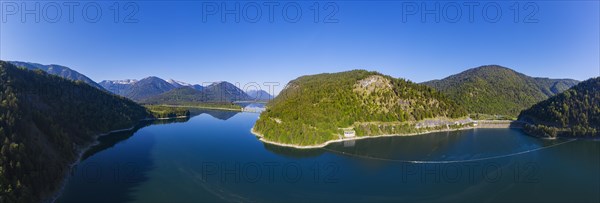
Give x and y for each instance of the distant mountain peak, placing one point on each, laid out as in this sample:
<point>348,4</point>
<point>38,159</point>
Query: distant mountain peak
<point>122,82</point>
<point>220,82</point>
<point>177,83</point>
<point>151,78</point>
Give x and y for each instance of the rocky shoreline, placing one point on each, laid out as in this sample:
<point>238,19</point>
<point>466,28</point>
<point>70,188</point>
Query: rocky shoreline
<point>481,124</point>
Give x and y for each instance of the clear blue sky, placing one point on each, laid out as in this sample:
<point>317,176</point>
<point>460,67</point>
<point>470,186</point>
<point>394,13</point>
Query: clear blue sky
<point>172,40</point>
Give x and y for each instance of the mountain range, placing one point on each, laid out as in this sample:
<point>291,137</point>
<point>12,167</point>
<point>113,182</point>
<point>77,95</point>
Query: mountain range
<point>148,88</point>
<point>58,70</point>
<point>498,90</point>
<point>154,90</point>
<point>218,92</point>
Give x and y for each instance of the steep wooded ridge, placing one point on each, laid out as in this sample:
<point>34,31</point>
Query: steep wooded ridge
<point>497,90</point>
<point>58,70</point>
<point>312,109</point>
<point>575,112</point>
<point>45,121</point>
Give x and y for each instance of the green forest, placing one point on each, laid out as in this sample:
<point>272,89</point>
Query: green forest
<point>189,97</point>
<point>575,112</point>
<point>160,111</point>
<point>45,121</point>
<point>312,109</point>
<point>497,92</point>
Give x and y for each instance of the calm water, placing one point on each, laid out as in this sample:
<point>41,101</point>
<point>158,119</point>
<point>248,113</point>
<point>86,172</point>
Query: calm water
<point>213,157</point>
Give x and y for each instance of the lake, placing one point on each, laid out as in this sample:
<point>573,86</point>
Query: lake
<point>213,157</point>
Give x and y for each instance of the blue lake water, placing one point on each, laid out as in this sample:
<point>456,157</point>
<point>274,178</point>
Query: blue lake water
<point>213,157</point>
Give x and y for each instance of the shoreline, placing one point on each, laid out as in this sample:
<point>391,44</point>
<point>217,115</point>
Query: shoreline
<point>203,107</point>
<point>262,139</point>
<point>169,118</point>
<point>482,124</point>
<point>84,149</point>
<point>80,153</point>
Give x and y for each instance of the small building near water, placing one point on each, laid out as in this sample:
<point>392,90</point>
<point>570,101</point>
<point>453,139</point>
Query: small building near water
<point>349,133</point>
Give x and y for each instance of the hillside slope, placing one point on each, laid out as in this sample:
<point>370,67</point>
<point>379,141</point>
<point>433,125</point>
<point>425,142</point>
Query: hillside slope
<point>312,109</point>
<point>497,90</point>
<point>58,70</point>
<point>45,121</point>
<point>575,112</point>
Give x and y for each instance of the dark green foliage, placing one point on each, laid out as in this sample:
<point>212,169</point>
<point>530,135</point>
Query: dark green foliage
<point>58,70</point>
<point>188,97</point>
<point>178,96</point>
<point>44,121</point>
<point>311,109</point>
<point>168,111</point>
<point>541,130</point>
<point>222,92</point>
<point>398,128</point>
<point>574,112</point>
<point>497,90</point>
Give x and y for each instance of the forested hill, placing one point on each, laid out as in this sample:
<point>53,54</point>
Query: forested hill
<point>221,92</point>
<point>58,70</point>
<point>177,96</point>
<point>44,121</point>
<point>575,112</point>
<point>311,109</point>
<point>497,90</point>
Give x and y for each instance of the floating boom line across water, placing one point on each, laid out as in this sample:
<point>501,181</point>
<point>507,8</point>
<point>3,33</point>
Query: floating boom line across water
<point>452,161</point>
